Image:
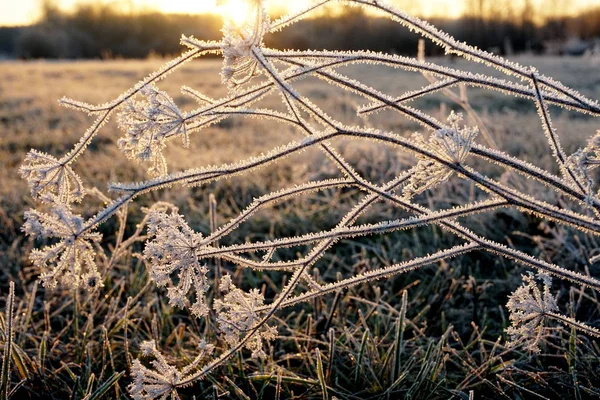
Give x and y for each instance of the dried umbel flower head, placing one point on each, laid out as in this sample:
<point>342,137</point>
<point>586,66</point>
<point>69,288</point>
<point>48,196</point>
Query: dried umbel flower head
<point>239,38</point>
<point>585,160</point>
<point>48,177</point>
<point>162,381</point>
<point>70,261</point>
<point>171,252</point>
<point>452,145</point>
<point>529,309</point>
<point>237,315</point>
<point>148,124</point>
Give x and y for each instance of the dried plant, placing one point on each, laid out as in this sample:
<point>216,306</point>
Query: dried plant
<point>530,308</point>
<point>237,315</point>
<point>178,256</point>
<point>172,250</point>
<point>72,259</point>
<point>162,381</point>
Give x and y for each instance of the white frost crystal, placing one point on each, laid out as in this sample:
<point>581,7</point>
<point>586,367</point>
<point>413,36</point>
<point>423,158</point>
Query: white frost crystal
<point>162,381</point>
<point>49,177</point>
<point>148,124</point>
<point>529,308</point>
<point>172,252</point>
<point>237,316</point>
<point>451,145</point>
<point>238,41</point>
<point>70,261</point>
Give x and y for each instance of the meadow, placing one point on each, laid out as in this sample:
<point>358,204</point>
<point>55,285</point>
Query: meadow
<point>73,344</point>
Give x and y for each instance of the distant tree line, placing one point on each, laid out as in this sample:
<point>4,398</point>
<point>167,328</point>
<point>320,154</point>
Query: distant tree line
<point>99,31</point>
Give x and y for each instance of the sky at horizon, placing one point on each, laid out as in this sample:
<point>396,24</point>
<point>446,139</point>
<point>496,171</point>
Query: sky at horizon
<point>23,12</point>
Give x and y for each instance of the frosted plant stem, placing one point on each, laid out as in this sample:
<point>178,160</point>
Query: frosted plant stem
<point>580,326</point>
<point>434,86</point>
<point>290,19</point>
<point>492,155</point>
<point>380,273</point>
<point>196,177</point>
<point>499,249</point>
<point>345,232</point>
<point>531,171</point>
<point>552,135</point>
<point>493,247</point>
<point>502,159</point>
<point>470,52</point>
<point>162,183</point>
<point>350,218</point>
<point>86,138</point>
<point>273,197</point>
<point>339,59</point>
<point>429,122</point>
<point>510,195</point>
<point>108,108</point>
<point>477,243</point>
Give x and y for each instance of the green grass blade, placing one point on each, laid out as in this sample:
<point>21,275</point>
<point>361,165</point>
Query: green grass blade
<point>361,354</point>
<point>105,387</point>
<point>321,375</point>
<point>399,339</point>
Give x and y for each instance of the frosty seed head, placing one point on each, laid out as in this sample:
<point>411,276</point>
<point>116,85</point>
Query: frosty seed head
<point>529,307</point>
<point>239,38</point>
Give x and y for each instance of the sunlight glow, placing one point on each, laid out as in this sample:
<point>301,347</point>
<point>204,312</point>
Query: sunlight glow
<point>237,11</point>
<point>27,11</point>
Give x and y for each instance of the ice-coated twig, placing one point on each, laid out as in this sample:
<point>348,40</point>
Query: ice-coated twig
<point>552,135</point>
<point>468,52</point>
<point>352,231</point>
<point>427,121</point>
<point>339,59</point>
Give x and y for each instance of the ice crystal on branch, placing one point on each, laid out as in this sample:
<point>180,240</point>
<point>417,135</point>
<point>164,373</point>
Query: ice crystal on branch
<point>452,145</point>
<point>172,256</point>
<point>237,315</point>
<point>49,177</point>
<point>147,124</point>
<point>70,261</point>
<point>239,37</point>
<point>162,381</point>
<point>529,308</point>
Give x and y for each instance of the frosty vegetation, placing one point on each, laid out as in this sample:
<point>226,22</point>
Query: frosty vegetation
<point>178,256</point>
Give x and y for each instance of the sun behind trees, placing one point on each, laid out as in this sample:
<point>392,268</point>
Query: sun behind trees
<point>96,30</point>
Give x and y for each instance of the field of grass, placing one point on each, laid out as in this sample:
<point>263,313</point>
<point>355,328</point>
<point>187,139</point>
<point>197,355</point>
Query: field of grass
<point>452,344</point>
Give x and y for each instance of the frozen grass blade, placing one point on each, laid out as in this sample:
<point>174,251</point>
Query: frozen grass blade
<point>321,375</point>
<point>8,342</point>
<point>399,337</point>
